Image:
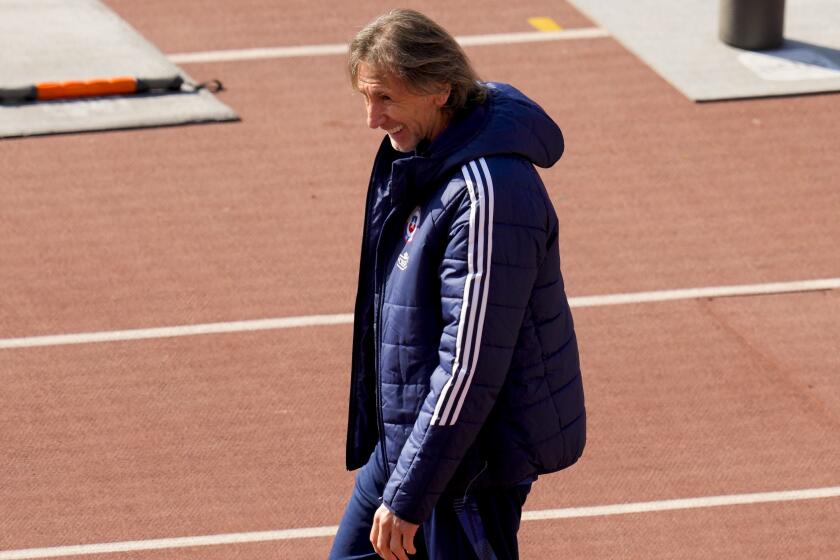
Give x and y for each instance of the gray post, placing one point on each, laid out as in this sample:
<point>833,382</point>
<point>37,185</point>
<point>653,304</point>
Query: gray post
<point>752,24</point>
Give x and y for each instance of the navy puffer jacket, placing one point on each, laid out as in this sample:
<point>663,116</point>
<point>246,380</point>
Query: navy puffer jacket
<point>465,362</point>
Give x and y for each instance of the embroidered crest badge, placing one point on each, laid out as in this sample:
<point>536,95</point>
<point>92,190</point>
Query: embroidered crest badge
<point>411,225</point>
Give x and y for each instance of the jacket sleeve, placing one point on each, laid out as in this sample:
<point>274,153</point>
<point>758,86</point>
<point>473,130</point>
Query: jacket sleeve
<point>487,273</point>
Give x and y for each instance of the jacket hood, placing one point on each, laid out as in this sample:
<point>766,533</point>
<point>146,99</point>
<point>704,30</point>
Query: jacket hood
<point>513,125</point>
<point>507,123</point>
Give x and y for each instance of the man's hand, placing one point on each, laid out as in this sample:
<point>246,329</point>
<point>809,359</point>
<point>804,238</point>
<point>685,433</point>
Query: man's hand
<point>392,538</point>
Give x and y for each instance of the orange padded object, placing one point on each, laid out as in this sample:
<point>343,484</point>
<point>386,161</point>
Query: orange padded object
<point>86,88</point>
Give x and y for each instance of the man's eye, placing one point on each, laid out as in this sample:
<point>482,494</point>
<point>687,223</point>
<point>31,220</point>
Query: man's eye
<point>385,97</point>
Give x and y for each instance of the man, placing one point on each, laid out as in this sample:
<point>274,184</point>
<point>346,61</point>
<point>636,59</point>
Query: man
<point>465,383</point>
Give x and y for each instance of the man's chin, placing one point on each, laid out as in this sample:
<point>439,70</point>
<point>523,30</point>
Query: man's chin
<point>401,147</point>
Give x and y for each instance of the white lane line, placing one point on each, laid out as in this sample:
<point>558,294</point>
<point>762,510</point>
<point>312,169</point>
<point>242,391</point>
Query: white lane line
<point>183,330</point>
<point>329,531</point>
<point>710,292</point>
<point>345,318</point>
<point>341,48</point>
<point>532,36</point>
<point>164,544</point>
<point>684,503</point>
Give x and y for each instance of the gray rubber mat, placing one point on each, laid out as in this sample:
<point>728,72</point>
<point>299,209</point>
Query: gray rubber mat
<point>77,40</point>
<point>679,40</point>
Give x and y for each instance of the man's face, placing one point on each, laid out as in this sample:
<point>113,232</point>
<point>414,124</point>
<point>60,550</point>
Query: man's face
<point>406,116</point>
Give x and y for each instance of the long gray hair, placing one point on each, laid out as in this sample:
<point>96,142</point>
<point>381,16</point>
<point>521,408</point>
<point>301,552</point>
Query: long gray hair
<point>421,53</point>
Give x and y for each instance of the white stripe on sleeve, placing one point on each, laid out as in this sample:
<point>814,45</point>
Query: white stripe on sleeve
<point>476,287</point>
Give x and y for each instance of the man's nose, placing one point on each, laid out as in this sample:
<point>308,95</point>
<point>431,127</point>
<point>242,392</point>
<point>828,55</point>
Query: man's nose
<point>374,115</point>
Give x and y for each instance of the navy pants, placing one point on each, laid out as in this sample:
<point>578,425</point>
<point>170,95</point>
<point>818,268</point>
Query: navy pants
<point>479,526</point>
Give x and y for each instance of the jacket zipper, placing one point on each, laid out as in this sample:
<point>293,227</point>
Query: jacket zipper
<point>376,353</point>
<point>379,296</point>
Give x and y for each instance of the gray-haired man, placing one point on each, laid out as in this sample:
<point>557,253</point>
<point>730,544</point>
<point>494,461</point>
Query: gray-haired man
<point>465,384</point>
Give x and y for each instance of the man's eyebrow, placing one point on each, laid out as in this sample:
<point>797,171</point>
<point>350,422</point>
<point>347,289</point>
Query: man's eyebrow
<point>378,90</point>
<point>377,85</point>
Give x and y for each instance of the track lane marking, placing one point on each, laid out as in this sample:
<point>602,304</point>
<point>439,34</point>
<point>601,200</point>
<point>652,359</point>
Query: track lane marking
<point>341,48</point>
<point>329,531</point>
<point>542,23</point>
<point>174,331</point>
<point>684,503</point>
<point>346,318</point>
<point>770,288</point>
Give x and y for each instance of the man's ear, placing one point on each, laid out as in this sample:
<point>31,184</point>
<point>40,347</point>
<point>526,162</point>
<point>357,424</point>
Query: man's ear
<point>441,98</point>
